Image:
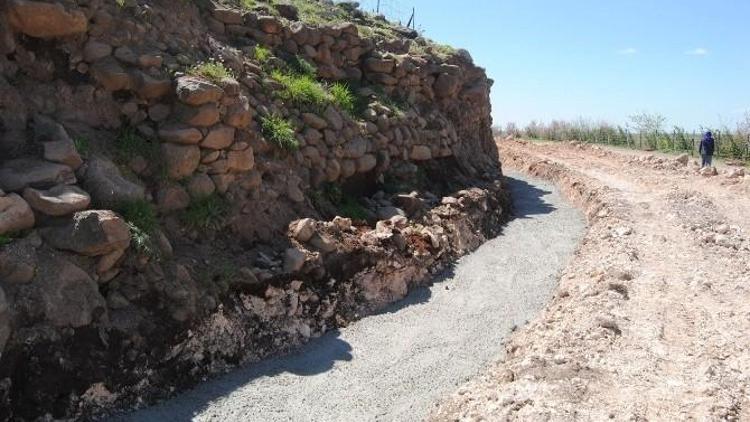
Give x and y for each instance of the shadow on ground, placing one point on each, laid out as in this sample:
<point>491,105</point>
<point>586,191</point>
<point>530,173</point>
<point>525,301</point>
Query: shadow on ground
<point>528,200</point>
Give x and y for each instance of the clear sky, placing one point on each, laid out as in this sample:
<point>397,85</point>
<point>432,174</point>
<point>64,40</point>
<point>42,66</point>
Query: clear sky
<point>600,59</point>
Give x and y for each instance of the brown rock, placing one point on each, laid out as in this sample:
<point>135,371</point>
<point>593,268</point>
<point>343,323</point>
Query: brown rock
<point>294,260</point>
<point>178,134</point>
<point>91,233</point>
<point>58,201</point>
<point>366,163</point>
<point>196,91</point>
<point>201,185</point>
<point>269,24</point>
<point>66,294</point>
<point>107,186</point>
<point>45,20</point>
<point>16,175</point>
<point>334,118</point>
<point>446,85</point>
<point>95,50</point>
<point>220,137</point>
<point>420,153</point>
<point>303,229</point>
<point>15,214</point>
<point>63,152</point>
<point>374,64</point>
<point>241,160</point>
<point>239,115</point>
<point>181,160</point>
<point>202,116</point>
<point>228,16</point>
<point>109,74</point>
<point>314,121</point>
<point>150,88</point>
<point>172,198</point>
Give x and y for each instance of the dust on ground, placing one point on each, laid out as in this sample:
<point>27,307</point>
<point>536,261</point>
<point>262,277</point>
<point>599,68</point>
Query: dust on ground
<point>651,319</point>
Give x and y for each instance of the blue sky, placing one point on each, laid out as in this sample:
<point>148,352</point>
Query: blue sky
<point>600,59</point>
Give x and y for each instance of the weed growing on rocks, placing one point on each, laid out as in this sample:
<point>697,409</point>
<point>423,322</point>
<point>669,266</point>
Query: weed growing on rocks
<point>82,145</point>
<point>343,98</point>
<point>301,66</point>
<point>130,144</point>
<point>280,132</point>
<point>301,90</point>
<point>142,222</point>
<point>262,54</point>
<point>4,239</point>
<point>212,70</point>
<point>206,213</point>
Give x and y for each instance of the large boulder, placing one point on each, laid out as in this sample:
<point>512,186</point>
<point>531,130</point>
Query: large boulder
<point>90,233</point>
<point>16,175</point>
<point>58,201</point>
<point>196,91</point>
<point>68,297</point>
<point>15,214</point>
<point>107,185</point>
<point>45,20</point>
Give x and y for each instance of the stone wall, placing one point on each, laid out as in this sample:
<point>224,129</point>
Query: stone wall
<point>100,115</point>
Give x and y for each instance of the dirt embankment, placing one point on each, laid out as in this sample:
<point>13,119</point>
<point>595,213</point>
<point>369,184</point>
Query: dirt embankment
<point>650,317</point>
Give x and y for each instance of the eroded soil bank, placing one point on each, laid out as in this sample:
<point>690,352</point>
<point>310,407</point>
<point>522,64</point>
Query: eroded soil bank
<point>649,319</point>
<point>394,365</point>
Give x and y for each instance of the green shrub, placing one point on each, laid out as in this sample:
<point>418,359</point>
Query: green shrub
<point>343,98</point>
<point>212,70</point>
<point>301,90</point>
<point>130,144</point>
<point>280,132</point>
<point>246,4</point>
<point>206,213</point>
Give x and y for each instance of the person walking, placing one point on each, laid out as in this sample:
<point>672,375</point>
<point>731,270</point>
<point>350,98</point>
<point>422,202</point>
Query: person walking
<point>706,149</point>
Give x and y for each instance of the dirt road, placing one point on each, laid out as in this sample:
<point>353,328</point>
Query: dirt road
<point>395,365</point>
<point>651,320</point>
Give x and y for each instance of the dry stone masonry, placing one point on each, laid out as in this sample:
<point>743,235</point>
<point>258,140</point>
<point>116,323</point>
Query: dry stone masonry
<point>153,231</point>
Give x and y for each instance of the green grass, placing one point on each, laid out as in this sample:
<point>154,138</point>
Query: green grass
<point>246,4</point>
<point>140,213</point>
<point>206,213</point>
<point>301,90</point>
<point>343,98</point>
<point>142,222</point>
<point>301,66</point>
<point>262,54</point>
<point>212,70</point>
<point>280,132</point>
<point>130,144</point>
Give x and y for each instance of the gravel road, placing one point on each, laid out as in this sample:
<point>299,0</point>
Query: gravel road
<point>395,365</point>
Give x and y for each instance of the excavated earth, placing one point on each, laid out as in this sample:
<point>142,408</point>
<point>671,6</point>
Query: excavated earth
<point>651,318</point>
<point>396,364</point>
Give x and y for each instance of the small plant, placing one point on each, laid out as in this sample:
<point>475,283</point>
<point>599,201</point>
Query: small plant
<point>142,222</point>
<point>301,90</point>
<point>351,208</point>
<point>120,3</point>
<point>343,98</point>
<point>5,239</point>
<point>279,131</point>
<point>140,213</point>
<point>247,4</point>
<point>212,70</point>
<point>82,145</point>
<point>262,54</point>
<point>206,213</point>
<point>302,67</point>
<point>130,144</point>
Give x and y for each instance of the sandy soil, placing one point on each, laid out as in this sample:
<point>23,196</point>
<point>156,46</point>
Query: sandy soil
<point>651,319</point>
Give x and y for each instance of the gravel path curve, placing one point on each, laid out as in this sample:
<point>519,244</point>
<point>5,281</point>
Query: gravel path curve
<point>395,365</point>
